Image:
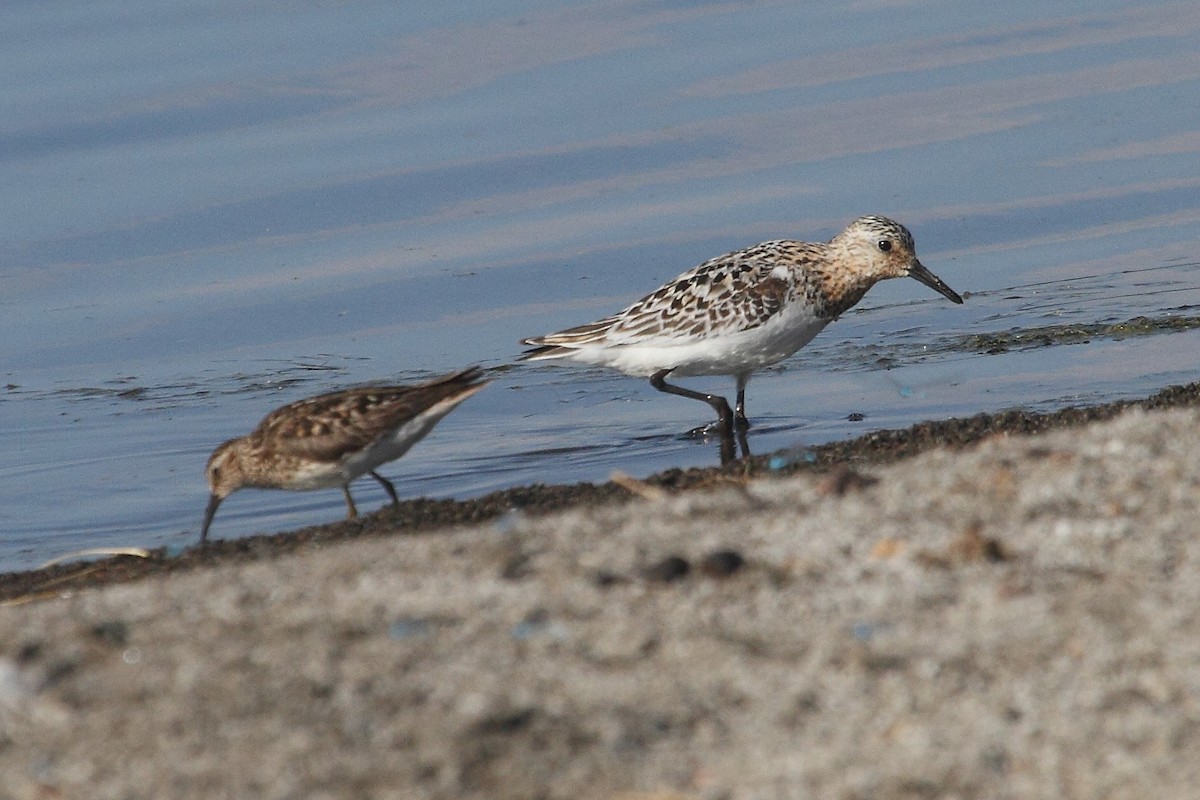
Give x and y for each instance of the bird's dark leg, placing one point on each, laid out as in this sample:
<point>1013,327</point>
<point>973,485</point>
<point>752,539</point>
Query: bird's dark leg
<point>387,487</point>
<point>353,512</point>
<point>718,403</point>
<point>741,440</point>
<point>739,414</point>
<point>727,449</point>
<point>731,441</point>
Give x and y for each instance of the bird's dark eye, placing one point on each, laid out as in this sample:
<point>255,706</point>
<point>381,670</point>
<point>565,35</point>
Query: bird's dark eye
<point>885,245</point>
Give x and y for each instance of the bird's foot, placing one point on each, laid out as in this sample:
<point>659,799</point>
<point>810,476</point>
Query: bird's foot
<point>714,428</point>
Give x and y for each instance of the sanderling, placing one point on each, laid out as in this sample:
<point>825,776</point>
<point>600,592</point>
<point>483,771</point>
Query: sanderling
<point>742,311</point>
<point>331,439</point>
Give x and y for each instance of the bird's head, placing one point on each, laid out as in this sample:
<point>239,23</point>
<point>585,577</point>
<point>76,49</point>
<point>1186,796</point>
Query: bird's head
<point>883,248</point>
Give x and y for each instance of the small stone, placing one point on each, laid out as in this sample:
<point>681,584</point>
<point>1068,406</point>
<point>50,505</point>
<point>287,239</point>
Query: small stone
<point>971,545</point>
<point>113,632</point>
<point>606,579</point>
<point>516,567</point>
<point>886,548</point>
<point>27,652</point>
<point>409,628</point>
<point>721,563</point>
<point>538,624</point>
<point>671,568</point>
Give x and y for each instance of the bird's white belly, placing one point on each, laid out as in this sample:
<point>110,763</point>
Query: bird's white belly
<point>329,474</point>
<point>317,475</point>
<point>716,354</point>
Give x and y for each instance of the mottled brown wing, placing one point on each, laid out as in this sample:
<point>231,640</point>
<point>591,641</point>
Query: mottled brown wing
<point>734,292</point>
<point>730,293</point>
<point>329,426</point>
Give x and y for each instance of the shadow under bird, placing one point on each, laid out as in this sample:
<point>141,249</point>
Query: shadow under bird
<point>332,439</point>
<point>742,311</point>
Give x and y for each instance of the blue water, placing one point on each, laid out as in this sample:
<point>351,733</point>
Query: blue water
<point>214,208</point>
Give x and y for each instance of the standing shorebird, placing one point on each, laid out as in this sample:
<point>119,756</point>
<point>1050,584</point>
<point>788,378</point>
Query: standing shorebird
<point>331,439</point>
<point>742,311</point>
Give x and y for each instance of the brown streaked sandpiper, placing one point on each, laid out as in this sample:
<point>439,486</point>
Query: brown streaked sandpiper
<point>742,311</point>
<point>331,439</point>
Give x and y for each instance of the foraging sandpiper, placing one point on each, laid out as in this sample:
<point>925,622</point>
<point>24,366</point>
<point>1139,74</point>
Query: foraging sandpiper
<point>331,439</point>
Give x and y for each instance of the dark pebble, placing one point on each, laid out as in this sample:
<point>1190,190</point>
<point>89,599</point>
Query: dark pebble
<point>722,563</point>
<point>605,579</point>
<point>516,568</point>
<point>671,568</point>
<point>113,632</point>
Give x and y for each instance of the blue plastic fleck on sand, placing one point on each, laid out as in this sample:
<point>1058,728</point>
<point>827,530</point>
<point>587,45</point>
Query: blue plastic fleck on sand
<point>778,462</point>
<point>536,628</point>
<point>408,628</point>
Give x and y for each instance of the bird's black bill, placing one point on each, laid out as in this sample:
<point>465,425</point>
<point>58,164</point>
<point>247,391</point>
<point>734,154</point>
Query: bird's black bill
<point>918,271</point>
<point>213,502</point>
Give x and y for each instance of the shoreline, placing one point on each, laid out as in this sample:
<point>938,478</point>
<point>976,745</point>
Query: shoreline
<point>1013,618</point>
<point>425,516</point>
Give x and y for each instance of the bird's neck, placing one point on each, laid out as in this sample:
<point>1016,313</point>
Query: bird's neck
<point>840,290</point>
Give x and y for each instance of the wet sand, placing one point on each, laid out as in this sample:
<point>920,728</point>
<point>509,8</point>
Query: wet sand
<point>999,606</point>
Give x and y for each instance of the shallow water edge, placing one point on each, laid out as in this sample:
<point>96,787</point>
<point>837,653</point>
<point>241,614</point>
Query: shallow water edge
<point>424,515</point>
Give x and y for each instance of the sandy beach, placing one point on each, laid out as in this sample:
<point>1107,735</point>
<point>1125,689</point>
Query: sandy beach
<point>995,615</point>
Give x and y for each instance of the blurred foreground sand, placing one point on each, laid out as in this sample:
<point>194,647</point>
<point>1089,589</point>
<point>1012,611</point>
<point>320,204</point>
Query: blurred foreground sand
<point>1017,620</point>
